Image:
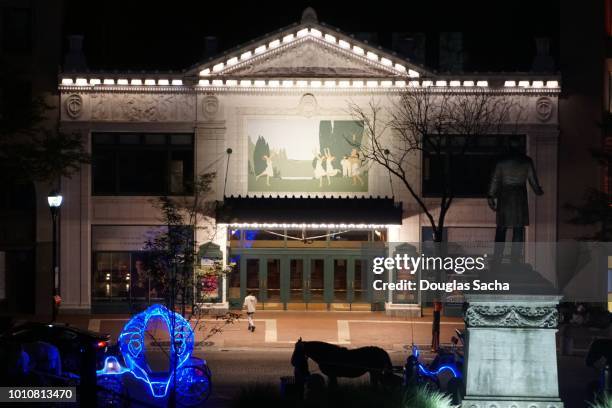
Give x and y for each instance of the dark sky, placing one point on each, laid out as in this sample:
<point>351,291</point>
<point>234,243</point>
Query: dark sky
<point>498,35</point>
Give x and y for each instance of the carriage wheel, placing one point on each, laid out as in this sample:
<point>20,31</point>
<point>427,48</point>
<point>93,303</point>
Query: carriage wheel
<point>193,386</point>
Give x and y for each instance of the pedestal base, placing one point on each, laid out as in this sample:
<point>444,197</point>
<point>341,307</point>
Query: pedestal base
<point>514,402</point>
<point>511,359</point>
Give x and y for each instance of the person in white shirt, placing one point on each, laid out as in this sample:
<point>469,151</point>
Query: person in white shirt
<point>250,303</point>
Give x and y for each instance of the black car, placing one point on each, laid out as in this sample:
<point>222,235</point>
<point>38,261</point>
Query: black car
<point>71,341</point>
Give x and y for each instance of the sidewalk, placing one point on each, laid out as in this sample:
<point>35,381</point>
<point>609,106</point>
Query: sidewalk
<point>281,329</point>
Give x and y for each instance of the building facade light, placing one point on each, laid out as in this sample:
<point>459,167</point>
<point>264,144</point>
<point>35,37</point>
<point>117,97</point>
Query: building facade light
<point>330,38</point>
<point>308,226</point>
<point>372,56</point>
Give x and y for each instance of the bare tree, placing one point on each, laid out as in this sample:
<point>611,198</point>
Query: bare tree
<point>436,122</point>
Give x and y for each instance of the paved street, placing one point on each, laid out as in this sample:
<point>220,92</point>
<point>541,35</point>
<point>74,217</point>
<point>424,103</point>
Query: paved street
<point>282,329</point>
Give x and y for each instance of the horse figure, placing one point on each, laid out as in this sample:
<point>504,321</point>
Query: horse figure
<point>602,348</point>
<point>335,361</point>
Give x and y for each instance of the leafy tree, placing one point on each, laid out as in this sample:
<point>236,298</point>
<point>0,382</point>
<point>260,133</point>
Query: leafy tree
<point>31,148</point>
<point>596,208</point>
<point>174,251</point>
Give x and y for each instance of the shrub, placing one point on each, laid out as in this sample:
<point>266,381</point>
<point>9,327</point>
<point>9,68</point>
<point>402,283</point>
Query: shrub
<point>425,397</point>
<point>604,401</point>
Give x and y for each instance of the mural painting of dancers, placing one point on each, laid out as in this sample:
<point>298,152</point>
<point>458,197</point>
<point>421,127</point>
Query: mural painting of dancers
<point>305,155</point>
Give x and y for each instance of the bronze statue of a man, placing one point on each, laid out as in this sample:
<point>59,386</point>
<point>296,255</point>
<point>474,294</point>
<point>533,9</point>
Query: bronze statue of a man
<point>508,198</point>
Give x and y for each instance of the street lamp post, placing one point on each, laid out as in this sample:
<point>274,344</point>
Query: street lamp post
<point>55,201</point>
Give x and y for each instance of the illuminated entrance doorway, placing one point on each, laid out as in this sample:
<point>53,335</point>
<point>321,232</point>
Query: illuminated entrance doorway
<point>307,253</point>
<point>328,272</point>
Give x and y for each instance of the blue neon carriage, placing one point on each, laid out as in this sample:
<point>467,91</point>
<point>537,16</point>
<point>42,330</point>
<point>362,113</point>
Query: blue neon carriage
<point>192,376</point>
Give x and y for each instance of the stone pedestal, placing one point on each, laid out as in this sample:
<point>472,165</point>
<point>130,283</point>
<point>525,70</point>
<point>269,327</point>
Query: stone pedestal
<point>511,359</point>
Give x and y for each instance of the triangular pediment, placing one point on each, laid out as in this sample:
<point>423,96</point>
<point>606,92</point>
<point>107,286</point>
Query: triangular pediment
<point>308,50</point>
<point>309,58</point>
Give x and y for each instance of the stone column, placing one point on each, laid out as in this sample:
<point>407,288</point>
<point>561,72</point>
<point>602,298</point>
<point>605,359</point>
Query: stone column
<point>75,246</point>
<point>511,355</point>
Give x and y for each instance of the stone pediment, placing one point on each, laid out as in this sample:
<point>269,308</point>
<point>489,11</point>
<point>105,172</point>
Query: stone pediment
<point>309,58</point>
<point>308,49</point>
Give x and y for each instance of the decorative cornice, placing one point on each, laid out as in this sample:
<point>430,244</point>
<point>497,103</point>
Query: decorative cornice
<point>286,86</point>
<point>543,316</point>
<point>126,88</point>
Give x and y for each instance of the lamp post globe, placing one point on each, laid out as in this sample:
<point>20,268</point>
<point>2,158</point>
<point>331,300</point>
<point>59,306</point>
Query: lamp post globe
<point>55,201</point>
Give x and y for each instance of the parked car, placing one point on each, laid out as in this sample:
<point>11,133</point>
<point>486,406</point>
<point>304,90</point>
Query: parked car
<point>69,340</point>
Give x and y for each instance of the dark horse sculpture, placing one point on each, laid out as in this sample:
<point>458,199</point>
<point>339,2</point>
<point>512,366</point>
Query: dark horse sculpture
<point>602,348</point>
<point>335,361</point>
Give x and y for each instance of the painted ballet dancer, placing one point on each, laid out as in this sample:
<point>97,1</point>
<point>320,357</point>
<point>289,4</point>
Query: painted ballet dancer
<point>268,171</point>
<point>330,171</point>
<point>346,165</point>
<point>319,171</point>
<point>356,167</point>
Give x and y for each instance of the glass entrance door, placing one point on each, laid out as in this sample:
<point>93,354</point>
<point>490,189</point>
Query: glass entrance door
<point>297,281</point>
<point>316,281</point>
<point>254,278</point>
<point>340,270</point>
<point>272,280</point>
<point>359,282</point>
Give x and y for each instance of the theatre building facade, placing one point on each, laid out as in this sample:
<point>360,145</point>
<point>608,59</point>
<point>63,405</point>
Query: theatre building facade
<point>300,212</point>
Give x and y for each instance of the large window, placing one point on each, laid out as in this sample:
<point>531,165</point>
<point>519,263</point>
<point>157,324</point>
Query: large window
<point>463,167</point>
<point>120,275</point>
<point>142,163</point>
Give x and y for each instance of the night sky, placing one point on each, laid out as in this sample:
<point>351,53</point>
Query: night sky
<point>139,35</point>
